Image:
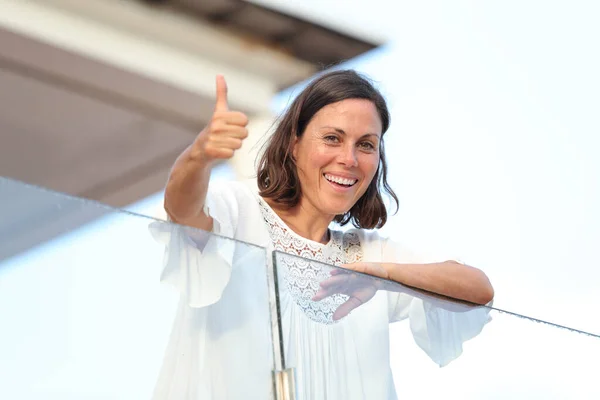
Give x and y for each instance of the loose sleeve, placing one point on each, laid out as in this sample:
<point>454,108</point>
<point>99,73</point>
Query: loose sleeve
<point>223,323</point>
<point>198,263</point>
<point>438,327</point>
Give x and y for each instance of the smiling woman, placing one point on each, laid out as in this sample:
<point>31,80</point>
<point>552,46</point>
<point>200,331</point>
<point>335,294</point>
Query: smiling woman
<point>331,136</point>
<point>325,163</point>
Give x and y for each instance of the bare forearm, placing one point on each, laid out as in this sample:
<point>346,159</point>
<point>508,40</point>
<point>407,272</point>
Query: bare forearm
<point>447,278</point>
<point>185,193</point>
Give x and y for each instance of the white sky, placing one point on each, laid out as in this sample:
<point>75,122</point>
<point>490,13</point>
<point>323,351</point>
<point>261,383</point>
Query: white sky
<point>493,144</point>
<point>366,20</point>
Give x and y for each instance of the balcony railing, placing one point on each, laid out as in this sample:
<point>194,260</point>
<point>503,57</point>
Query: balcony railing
<point>124,306</point>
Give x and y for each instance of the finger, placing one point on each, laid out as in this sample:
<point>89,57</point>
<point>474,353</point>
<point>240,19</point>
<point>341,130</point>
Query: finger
<point>333,281</point>
<point>231,117</point>
<point>324,293</point>
<point>229,131</point>
<point>345,309</point>
<point>341,283</point>
<point>357,299</point>
<point>221,103</point>
<point>364,294</point>
<point>225,142</point>
<point>320,295</point>
<point>343,287</point>
<point>338,271</point>
<point>219,152</point>
<point>237,132</point>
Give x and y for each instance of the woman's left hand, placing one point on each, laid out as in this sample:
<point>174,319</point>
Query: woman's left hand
<point>361,281</point>
<point>358,287</point>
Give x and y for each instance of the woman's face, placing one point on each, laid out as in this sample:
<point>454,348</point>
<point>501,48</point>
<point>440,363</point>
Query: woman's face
<point>338,155</point>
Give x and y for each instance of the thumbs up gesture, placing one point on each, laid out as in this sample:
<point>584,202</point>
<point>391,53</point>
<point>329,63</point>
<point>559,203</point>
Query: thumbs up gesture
<point>224,133</point>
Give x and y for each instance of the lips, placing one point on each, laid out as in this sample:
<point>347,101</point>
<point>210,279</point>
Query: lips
<point>344,181</point>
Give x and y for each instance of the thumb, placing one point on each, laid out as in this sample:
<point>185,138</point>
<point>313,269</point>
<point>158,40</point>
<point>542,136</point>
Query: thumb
<point>221,103</point>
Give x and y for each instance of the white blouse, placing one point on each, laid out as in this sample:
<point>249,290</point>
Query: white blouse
<point>220,347</point>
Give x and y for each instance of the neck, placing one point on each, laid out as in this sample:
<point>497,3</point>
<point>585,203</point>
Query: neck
<point>304,221</point>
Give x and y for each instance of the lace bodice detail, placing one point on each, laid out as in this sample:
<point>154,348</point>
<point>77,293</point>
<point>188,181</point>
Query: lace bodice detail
<point>302,267</point>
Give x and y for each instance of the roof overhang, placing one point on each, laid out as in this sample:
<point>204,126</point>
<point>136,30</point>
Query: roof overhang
<point>99,96</point>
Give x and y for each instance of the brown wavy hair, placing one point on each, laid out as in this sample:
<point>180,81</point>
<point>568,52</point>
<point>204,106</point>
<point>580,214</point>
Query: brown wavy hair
<point>277,175</point>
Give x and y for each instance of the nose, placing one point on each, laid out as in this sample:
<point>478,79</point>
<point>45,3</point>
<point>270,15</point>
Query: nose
<point>348,156</point>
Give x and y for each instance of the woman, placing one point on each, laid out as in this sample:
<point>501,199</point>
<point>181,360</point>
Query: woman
<point>324,163</point>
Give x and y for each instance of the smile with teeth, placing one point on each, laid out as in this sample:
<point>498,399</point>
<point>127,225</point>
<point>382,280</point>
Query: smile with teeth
<point>340,181</point>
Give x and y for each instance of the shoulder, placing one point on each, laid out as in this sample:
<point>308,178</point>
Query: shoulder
<point>370,243</point>
<point>238,197</point>
<point>380,247</point>
<point>235,206</point>
<point>230,190</point>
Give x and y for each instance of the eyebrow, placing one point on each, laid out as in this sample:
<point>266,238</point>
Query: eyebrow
<point>341,131</point>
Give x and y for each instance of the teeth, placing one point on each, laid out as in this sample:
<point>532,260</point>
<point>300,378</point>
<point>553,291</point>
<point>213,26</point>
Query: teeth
<point>341,181</point>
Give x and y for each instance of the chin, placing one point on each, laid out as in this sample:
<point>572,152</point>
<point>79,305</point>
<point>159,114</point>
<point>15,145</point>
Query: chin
<point>338,209</point>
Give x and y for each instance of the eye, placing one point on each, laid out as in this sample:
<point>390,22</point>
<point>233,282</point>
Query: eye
<point>331,139</point>
<point>367,146</point>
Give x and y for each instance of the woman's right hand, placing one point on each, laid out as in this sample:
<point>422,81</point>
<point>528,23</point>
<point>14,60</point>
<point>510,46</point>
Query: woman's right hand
<point>187,187</point>
<point>224,133</point>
